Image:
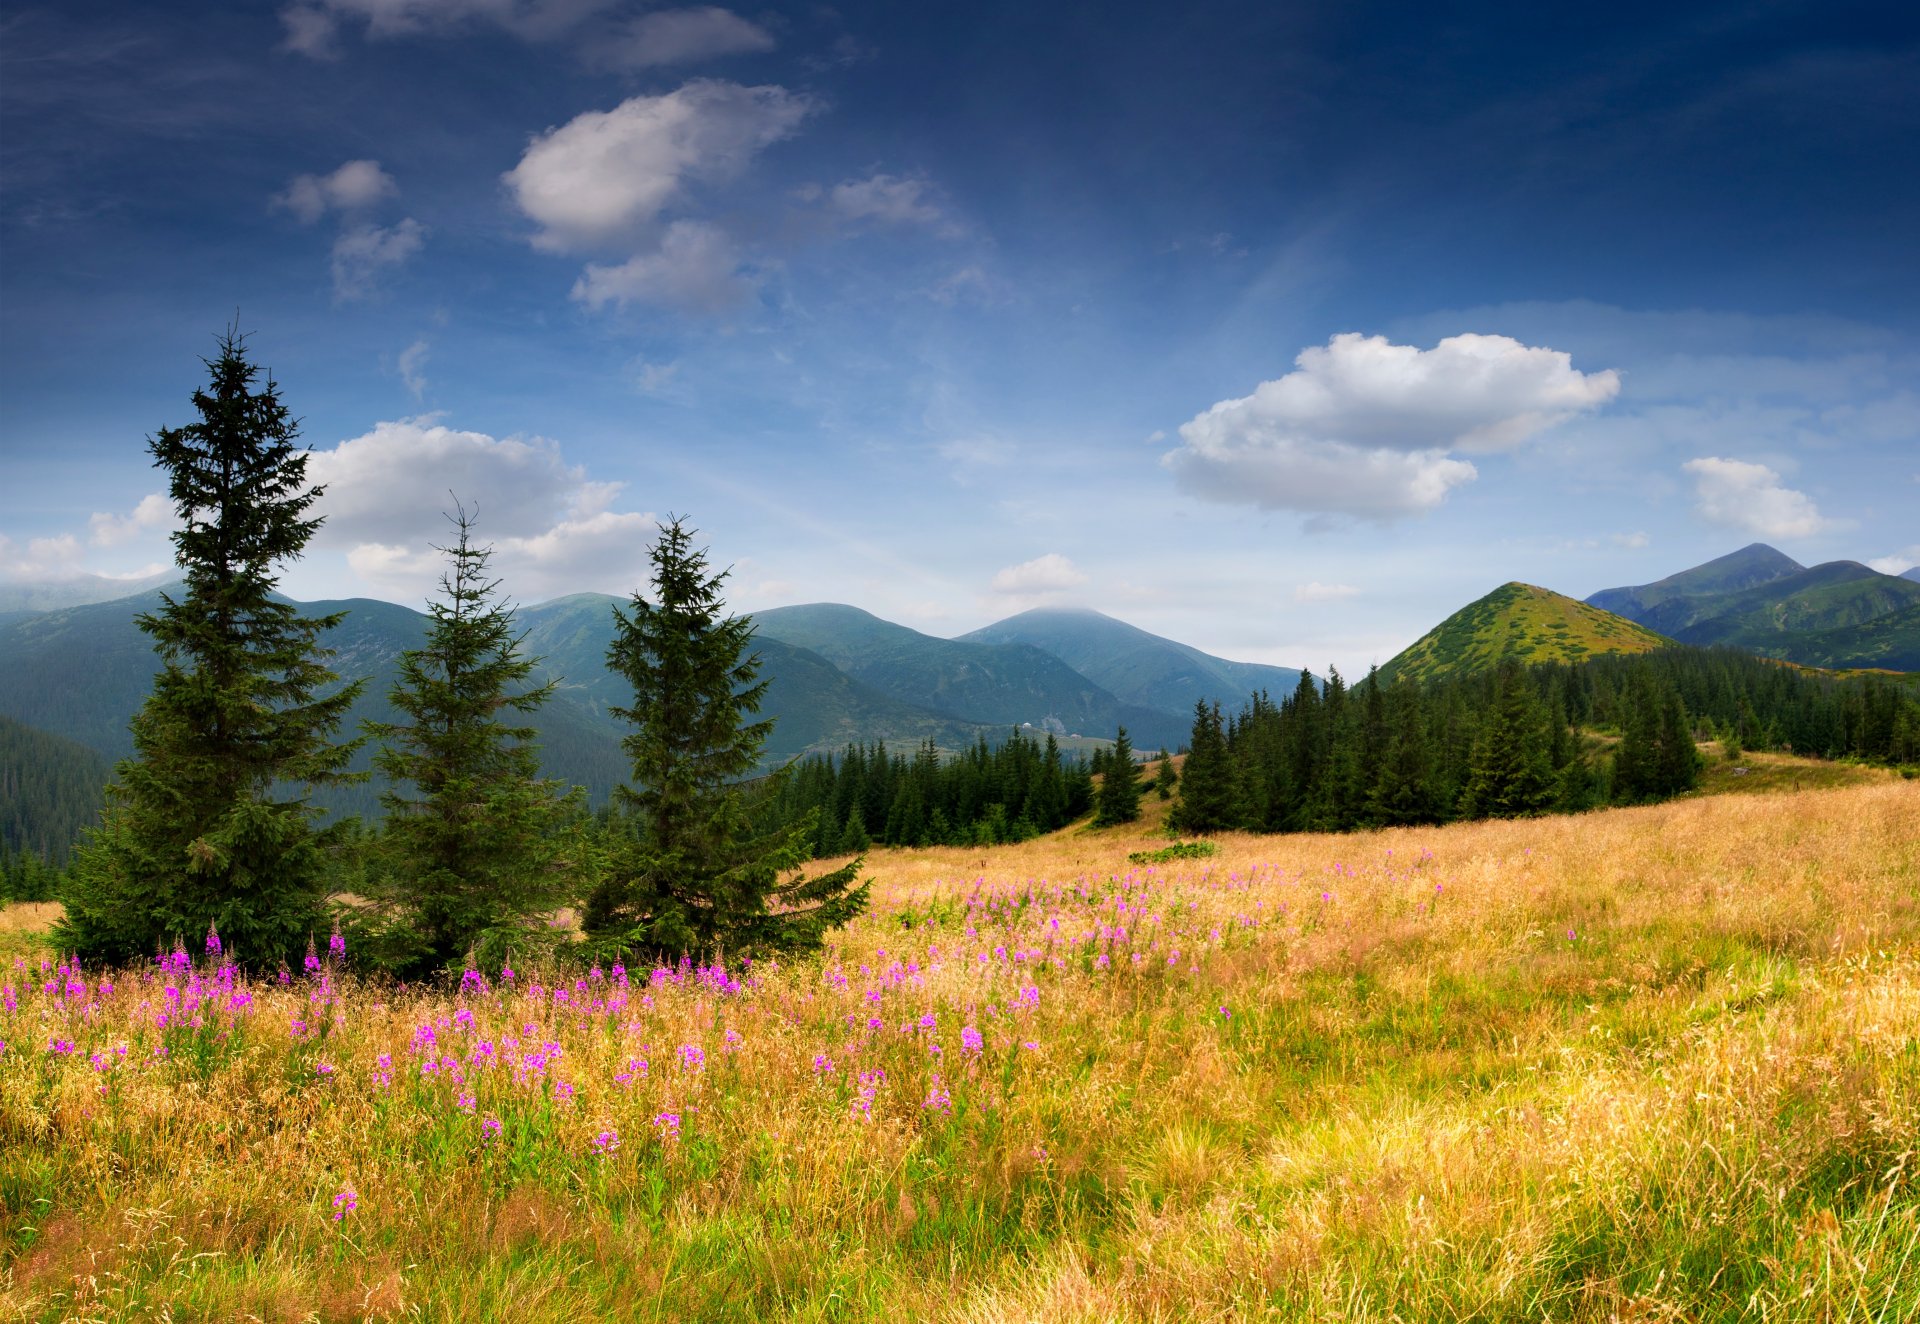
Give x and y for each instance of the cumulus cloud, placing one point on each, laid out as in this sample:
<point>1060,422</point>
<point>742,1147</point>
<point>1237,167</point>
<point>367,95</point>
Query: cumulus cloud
<point>354,186</point>
<point>552,528</point>
<point>1316,592</point>
<point>1052,573</point>
<point>363,253</point>
<point>604,176</point>
<point>107,530</point>
<point>1365,427</point>
<point>679,36</point>
<point>1747,496</point>
<point>887,200</point>
<point>42,560</point>
<point>1899,563</point>
<point>695,269</point>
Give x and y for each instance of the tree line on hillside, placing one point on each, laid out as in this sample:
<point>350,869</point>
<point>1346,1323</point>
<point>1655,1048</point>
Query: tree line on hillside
<point>49,790</point>
<point>1520,740</point>
<point>208,828</point>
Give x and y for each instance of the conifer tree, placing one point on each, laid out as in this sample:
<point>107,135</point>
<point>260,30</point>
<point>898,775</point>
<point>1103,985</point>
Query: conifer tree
<point>1511,775</point>
<point>694,879</point>
<point>1207,794</point>
<point>1167,778</point>
<point>475,849</point>
<point>1119,800</point>
<point>206,823</point>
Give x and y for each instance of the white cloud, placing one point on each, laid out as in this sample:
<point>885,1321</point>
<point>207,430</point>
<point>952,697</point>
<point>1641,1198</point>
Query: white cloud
<point>1899,563</point>
<point>313,27</point>
<point>1630,540</point>
<point>1748,496</point>
<point>1051,573</point>
<point>355,185</point>
<point>361,254</point>
<point>412,364</point>
<point>45,560</point>
<point>696,269</point>
<point>1365,427</point>
<point>888,199</point>
<point>679,36</point>
<point>552,528</point>
<point>107,530</point>
<point>1317,592</point>
<point>604,176</point>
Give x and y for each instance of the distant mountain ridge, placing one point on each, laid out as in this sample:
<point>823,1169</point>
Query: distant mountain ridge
<point>994,683</point>
<point>1135,666</point>
<point>1522,621</point>
<point>1839,614</point>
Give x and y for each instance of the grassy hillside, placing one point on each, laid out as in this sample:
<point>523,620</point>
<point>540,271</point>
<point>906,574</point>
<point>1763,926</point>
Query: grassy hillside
<point>1138,667</point>
<point>1523,621</point>
<point>1649,1064</point>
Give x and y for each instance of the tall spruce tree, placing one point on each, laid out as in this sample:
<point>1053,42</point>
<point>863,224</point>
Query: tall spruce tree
<point>476,849</point>
<point>1208,797</point>
<point>1119,799</point>
<point>1512,774</point>
<point>693,879</point>
<point>207,823</point>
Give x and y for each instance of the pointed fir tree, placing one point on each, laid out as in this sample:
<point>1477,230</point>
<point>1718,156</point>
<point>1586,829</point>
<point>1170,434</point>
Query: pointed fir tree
<point>208,822</point>
<point>693,880</point>
<point>1511,775</point>
<point>1208,797</point>
<point>1167,778</point>
<point>1119,799</point>
<point>476,848</point>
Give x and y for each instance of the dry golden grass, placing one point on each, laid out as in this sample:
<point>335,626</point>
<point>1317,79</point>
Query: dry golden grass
<point>1644,1064</point>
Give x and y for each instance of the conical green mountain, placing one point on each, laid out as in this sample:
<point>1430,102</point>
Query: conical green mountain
<point>1524,621</point>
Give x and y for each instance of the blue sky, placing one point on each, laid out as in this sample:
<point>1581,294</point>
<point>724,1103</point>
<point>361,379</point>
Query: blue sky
<point>1282,329</point>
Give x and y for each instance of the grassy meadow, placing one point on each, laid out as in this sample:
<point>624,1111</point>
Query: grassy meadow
<point>1644,1064</point>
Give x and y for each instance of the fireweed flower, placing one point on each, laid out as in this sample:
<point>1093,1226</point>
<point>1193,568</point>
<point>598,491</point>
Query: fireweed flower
<point>213,940</point>
<point>490,1130</point>
<point>692,1057</point>
<point>337,945</point>
<point>345,1203</point>
<point>606,1142</point>
<point>668,1125</point>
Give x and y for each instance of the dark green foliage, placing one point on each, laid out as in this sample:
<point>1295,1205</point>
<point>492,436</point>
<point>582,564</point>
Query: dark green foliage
<point>1180,850</point>
<point>1512,775</point>
<point>208,822</point>
<point>1509,742</point>
<point>473,842</point>
<point>50,789</point>
<point>1207,802</point>
<point>1118,800</point>
<point>986,795</point>
<point>694,877</point>
<point>1165,777</point>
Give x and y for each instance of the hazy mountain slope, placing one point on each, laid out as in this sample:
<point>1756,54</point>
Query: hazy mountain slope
<point>993,684</point>
<point>79,591</point>
<point>50,788</point>
<point>82,673</point>
<point>1135,666</point>
<point>816,706</point>
<point>1913,574</point>
<point>1752,565</point>
<point>1521,620</point>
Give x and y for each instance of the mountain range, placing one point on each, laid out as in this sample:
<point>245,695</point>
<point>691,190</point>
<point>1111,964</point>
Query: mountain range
<point>835,675</point>
<point>77,672</point>
<point>1839,614</point>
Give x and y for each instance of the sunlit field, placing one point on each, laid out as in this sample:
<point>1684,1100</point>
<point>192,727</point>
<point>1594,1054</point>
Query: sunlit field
<point>1645,1064</point>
